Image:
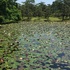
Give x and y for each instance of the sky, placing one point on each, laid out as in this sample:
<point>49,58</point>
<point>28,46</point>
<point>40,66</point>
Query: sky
<point>38,1</point>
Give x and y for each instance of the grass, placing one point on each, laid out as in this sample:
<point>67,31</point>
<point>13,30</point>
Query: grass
<point>35,46</point>
<point>42,19</point>
<point>54,19</point>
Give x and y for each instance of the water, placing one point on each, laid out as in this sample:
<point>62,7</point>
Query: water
<point>44,40</point>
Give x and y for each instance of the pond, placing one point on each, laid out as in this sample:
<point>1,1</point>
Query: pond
<point>42,46</point>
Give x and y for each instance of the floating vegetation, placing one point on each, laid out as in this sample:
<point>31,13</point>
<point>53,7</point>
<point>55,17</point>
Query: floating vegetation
<point>35,46</point>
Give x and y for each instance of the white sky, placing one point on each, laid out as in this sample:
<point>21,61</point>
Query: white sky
<point>38,1</point>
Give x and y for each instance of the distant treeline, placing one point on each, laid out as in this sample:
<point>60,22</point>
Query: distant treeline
<point>10,10</point>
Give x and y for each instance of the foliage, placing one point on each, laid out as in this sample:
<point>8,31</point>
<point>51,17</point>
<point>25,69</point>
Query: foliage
<point>9,10</point>
<point>35,46</point>
<point>59,8</point>
<point>1,19</point>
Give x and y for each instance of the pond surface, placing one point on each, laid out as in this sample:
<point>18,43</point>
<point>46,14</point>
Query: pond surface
<point>43,46</point>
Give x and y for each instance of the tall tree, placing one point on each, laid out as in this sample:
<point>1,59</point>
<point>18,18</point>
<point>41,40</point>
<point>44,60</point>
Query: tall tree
<point>27,9</point>
<point>61,8</point>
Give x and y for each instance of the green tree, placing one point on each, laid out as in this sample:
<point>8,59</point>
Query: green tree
<point>61,8</point>
<point>9,10</point>
<point>27,9</point>
<point>47,11</point>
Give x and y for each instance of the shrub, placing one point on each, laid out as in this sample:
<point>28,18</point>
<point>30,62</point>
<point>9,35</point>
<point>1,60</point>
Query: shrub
<point>1,19</point>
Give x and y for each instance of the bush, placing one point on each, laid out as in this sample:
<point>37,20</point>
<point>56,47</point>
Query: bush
<point>1,19</point>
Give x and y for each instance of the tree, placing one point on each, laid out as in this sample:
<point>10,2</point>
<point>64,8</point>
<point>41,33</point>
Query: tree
<point>67,8</point>
<point>27,9</point>
<point>9,9</point>
<point>38,11</point>
<point>61,8</point>
<point>47,11</point>
<point>43,8</point>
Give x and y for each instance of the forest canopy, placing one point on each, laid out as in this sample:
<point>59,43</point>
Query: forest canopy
<point>10,10</point>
